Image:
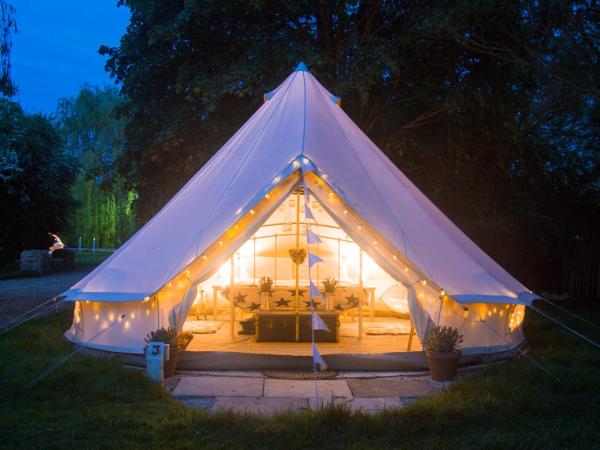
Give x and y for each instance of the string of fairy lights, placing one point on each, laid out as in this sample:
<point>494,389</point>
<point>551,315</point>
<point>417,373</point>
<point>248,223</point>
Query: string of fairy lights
<point>428,292</point>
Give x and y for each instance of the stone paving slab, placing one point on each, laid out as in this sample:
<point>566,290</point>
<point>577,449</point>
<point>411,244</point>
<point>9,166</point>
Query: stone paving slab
<point>219,387</point>
<point>267,406</point>
<point>394,387</point>
<point>306,388</point>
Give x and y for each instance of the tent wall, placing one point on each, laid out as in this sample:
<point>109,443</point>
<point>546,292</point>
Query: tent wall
<point>482,324</point>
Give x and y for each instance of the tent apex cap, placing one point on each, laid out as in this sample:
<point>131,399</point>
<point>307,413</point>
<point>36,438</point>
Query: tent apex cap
<point>301,67</point>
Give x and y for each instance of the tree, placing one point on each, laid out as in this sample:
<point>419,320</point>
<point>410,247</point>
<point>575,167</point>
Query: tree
<point>491,108</point>
<point>35,180</point>
<point>93,134</point>
<point>8,25</point>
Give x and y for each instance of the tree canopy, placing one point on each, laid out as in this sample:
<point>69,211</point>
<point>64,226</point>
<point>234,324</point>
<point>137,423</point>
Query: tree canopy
<point>93,134</point>
<point>499,100</point>
<point>35,180</point>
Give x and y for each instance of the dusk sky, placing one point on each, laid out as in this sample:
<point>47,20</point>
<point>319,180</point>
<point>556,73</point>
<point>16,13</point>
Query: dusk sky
<point>56,48</point>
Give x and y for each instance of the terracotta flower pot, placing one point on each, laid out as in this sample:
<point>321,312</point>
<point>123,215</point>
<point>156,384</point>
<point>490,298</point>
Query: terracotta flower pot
<point>171,363</point>
<point>443,365</point>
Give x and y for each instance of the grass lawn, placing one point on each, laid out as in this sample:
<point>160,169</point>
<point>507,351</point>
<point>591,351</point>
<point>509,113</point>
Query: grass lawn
<point>11,269</point>
<point>91,403</point>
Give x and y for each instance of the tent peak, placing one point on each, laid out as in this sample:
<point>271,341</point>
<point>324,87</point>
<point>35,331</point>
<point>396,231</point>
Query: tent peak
<point>301,67</point>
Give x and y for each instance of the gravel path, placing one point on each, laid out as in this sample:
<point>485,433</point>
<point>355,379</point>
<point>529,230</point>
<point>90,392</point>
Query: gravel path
<point>22,294</point>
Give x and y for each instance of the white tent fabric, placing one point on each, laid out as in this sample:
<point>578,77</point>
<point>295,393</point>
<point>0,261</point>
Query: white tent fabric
<point>299,126</point>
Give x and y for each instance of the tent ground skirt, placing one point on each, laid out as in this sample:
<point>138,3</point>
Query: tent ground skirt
<point>224,361</point>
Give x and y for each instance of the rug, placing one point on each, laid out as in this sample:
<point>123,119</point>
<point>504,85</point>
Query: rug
<point>202,326</point>
<point>393,329</point>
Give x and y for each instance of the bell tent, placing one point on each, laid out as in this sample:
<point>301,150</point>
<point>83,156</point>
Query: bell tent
<point>399,265</point>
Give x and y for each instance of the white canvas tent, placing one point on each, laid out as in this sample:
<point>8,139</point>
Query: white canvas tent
<point>299,135</point>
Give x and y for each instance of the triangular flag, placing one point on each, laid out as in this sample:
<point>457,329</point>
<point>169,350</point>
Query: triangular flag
<point>313,259</point>
<point>317,322</point>
<point>311,237</point>
<point>318,359</point>
<point>308,213</point>
<point>314,292</point>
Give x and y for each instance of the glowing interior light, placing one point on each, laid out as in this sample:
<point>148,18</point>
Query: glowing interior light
<point>276,179</point>
<point>421,295</point>
<point>267,196</point>
<point>133,315</point>
<point>375,242</point>
<point>296,164</point>
<point>516,318</point>
<point>331,194</point>
<point>424,282</point>
<point>147,312</point>
<point>305,160</point>
<point>126,325</point>
<point>111,317</point>
<point>395,257</point>
<point>146,299</point>
<point>238,212</point>
<point>204,257</point>
<point>443,293</point>
<point>221,243</point>
<point>345,211</point>
<point>406,269</point>
<point>252,212</point>
<point>360,227</point>
<point>97,317</point>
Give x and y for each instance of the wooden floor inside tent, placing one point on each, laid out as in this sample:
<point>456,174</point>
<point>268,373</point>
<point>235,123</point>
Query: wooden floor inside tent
<point>349,343</point>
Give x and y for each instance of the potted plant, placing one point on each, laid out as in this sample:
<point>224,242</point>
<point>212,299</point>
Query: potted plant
<point>329,285</point>
<point>264,291</point>
<point>441,348</point>
<point>171,337</point>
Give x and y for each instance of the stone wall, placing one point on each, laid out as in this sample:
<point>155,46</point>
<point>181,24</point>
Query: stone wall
<point>42,262</point>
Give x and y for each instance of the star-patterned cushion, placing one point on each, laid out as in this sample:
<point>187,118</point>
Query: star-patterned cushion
<point>247,298</point>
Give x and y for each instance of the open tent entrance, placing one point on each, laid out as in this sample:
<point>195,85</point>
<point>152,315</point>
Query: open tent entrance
<point>367,312</point>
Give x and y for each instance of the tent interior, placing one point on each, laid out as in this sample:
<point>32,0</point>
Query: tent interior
<point>368,307</point>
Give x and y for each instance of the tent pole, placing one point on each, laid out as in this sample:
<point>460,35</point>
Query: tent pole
<point>410,336</point>
<point>297,246</point>
<point>231,303</point>
<point>360,285</point>
<point>339,259</point>
<point>254,261</point>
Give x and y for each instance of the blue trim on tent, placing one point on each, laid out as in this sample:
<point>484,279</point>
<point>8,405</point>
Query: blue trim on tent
<point>301,67</point>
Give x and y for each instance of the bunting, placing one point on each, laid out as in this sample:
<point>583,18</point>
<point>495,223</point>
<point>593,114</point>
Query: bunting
<point>313,259</point>
<point>314,292</point>
<point>312,238</point>
<point>317,358</point>
<point>317,323</point>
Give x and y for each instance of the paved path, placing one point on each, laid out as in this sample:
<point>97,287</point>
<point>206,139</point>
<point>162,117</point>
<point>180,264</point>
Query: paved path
<point>21,294</point>
<point>254,393</point>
